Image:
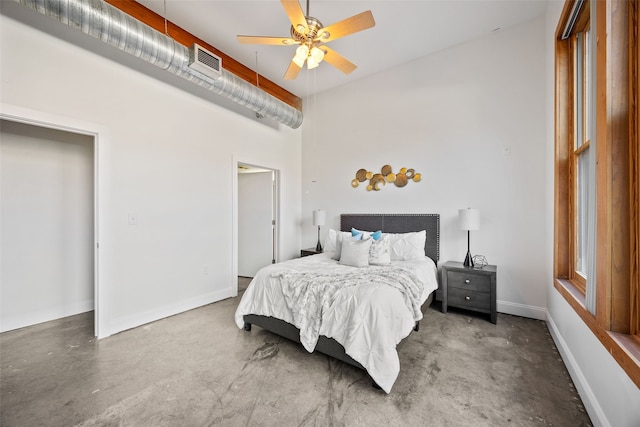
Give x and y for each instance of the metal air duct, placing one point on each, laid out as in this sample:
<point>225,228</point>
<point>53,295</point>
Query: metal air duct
<point>109,24</point>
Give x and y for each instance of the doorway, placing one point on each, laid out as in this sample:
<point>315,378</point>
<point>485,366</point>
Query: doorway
<point>48,239</point>
<point>256,219</point>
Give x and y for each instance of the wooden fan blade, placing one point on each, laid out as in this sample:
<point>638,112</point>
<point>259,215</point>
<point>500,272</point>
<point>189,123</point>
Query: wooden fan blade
<point>338,61</point>
<point>292,71</point>
<point>356,23</point>
<point>295,14</point>
<point>281,41</point>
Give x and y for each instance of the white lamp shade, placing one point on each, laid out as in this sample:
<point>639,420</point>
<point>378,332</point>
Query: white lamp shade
<point>469,219</point>
<point>311,63</point>
<point>317,54</point>
<point>301,55</point>
<point>315,58</point>
<point>319,217</point>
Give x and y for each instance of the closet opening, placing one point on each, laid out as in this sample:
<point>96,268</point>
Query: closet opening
<point>48,222</point>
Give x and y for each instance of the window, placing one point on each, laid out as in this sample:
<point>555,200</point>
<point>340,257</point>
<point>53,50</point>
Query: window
<point>579,168</point>
<point>597,176</point>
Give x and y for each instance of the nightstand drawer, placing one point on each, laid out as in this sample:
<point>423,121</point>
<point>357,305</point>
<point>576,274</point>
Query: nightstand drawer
<point>469,281</point>
<point>472,300</point>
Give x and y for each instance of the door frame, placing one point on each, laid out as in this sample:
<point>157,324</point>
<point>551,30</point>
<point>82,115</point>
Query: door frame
<point>99,136</point>
<point>236,161</point>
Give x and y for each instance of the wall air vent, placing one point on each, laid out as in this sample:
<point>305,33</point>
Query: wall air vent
<point>204,61</point>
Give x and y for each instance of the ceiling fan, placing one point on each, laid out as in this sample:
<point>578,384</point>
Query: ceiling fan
<point>309,33</point>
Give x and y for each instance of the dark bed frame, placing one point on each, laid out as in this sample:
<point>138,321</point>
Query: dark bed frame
<point>388,223</point>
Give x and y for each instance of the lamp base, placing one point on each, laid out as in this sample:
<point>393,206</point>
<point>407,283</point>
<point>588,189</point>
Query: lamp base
<point>318,246</point>
<point>468,260</point>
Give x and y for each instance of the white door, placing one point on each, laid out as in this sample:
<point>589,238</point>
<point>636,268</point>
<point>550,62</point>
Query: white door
<point>256,216</point>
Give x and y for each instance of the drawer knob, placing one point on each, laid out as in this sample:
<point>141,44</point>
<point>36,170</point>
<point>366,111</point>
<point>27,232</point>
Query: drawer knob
<point>467,298</point>
<point>467,281</point>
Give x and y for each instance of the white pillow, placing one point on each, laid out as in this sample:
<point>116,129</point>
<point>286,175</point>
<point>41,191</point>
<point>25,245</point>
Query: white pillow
<point>338,250</point>
<point>333,242</point>
<point>379,253</point>
<point>330,241</point>
<point>355,252</point>
<point>406,246</point>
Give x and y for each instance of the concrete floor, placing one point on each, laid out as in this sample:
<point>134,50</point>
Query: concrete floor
<point>199,369</point>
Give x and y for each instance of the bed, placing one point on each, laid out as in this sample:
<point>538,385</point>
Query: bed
<point>356,315</point>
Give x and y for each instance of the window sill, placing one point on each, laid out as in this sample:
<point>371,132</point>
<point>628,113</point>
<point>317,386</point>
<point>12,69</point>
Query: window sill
<point>625,349</point>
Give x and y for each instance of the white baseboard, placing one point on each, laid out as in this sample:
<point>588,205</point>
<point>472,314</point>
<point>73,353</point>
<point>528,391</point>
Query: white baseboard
<point>530,311</point>
<point>142,318</point>
<point>591,404</point>
<point>22,320</point>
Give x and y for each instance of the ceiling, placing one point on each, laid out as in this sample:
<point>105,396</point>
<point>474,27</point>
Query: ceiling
<point>405,30</point>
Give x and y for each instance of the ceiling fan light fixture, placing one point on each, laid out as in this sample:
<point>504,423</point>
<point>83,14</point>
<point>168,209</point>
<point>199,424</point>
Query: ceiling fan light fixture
<point>301,55</point>
<point>315,58</point>
<point>297,61</point>
<point>324,35</point>
<point>312,63</point>
<point>317,54</point>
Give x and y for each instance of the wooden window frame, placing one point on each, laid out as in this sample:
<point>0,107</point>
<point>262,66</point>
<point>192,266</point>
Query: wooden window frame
<point>617,319</point>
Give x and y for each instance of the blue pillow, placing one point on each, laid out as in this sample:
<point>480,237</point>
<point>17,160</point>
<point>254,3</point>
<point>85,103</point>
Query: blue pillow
<point>358,235</point>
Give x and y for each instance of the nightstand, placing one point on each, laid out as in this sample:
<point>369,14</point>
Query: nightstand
<point>469,288</point>
<point>309,251</point>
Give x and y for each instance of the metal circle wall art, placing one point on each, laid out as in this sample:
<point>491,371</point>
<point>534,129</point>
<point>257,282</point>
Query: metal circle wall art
<point>386,175</point>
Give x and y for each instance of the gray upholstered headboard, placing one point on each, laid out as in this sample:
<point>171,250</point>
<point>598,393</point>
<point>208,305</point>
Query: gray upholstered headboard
<point>398,223</point>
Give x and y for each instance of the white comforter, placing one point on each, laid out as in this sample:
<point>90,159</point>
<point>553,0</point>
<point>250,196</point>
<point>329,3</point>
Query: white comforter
<point>368,316</point>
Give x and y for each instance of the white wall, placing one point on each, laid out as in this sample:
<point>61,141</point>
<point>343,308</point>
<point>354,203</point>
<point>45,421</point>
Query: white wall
<point>451,116</point>
<point>254,222</point>
<point>610,396</point>
<point>167,158</point>
<point>47,224</point>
